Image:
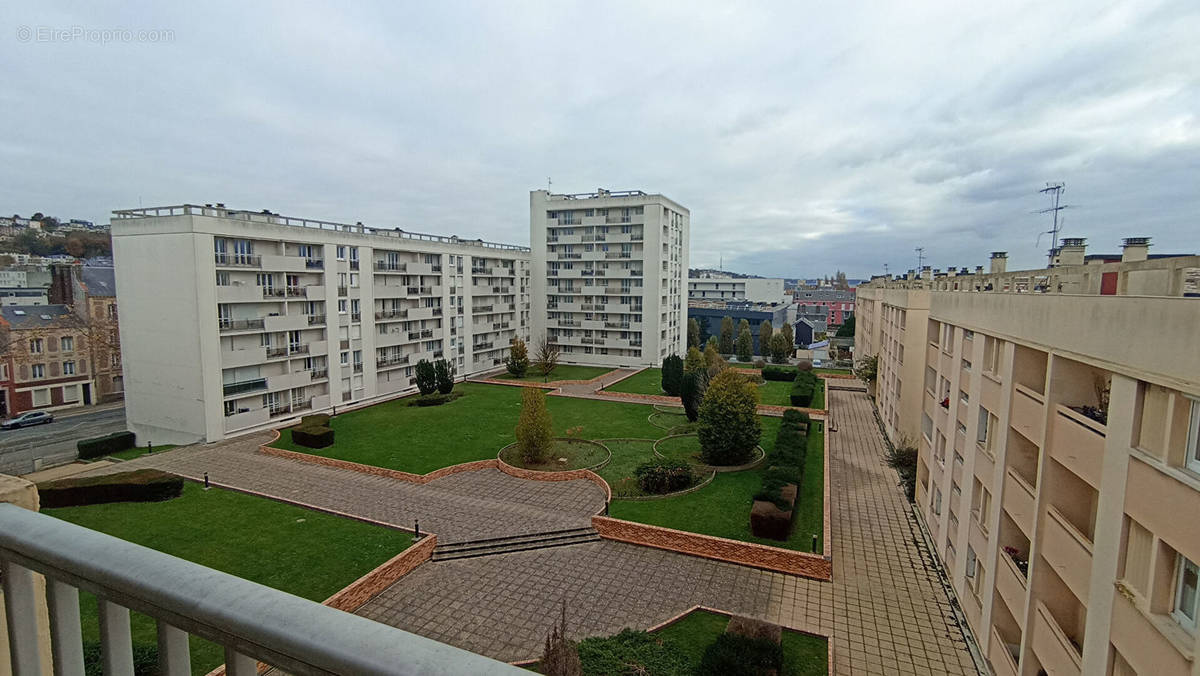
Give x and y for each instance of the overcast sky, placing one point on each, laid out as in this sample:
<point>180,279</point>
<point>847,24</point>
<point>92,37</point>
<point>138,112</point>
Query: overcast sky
<point>803,137</point>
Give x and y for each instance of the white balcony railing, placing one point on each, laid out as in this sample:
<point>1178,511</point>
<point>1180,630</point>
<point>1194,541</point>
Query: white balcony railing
<point>254,622</point>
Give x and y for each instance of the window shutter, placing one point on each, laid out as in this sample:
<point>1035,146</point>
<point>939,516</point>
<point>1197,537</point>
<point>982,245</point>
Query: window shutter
<point>81,366</point>
<point>53,370</point>
<point>23,370</point>
<point>52,343</point>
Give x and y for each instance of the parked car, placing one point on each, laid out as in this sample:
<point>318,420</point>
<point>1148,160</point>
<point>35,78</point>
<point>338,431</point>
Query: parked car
<point>26,419</point>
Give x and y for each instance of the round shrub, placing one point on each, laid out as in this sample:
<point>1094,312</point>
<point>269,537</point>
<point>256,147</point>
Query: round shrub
<point>664,476</point>
<point>804,365</point>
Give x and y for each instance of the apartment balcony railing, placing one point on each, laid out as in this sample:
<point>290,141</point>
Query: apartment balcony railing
<point>618,254</point>
<point>354,265</point>
<point>391,314</point>
<point>313,320</point>
<point>483,346</point>
<point>344,344</point>
<point>356,316</point>
<point>437,312</point>
<point>437,354</point>
<point>317,374</point>
<point>243,386</point>
<point>427,333</point>
<point>414,335</point>
<point>238,260</point>
<point>358,367</point>
<point>295,292</point>
<point>616,325</point>
<point>252,621</point>
<point>227,324</point>
<point>341,291</point>
<point>618,219</point>
<point>272,292</point>
<point>595,238</point>
<point>552,273</point>
<point>482,308</point>
<point>314,263</point>
<point>392,361</point>
<point>385,266</point>
<point>570,256</point>
<point>594,307</point>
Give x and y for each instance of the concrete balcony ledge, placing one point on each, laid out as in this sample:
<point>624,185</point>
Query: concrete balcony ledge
<point>1018,501</point>
<point>1012,586</point>
<point>1054,649</point>
<point>1000,656</point>
<point>1069,552</point>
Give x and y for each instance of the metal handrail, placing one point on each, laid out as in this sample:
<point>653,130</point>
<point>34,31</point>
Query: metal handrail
<point>254,621</point>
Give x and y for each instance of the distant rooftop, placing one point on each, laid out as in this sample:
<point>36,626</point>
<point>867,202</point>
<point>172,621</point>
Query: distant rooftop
<point>34,316</point>
<point>99,281</point>
<point>268,217</point>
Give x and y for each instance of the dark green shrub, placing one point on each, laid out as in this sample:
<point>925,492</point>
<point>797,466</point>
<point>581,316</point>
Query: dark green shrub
<point>444,376</point>
<point>315,436</point>
<point>733,655</point>
<point>632,652</point>
<point>664,476</point>
<point>779,373</point>
<point>145,659</point>
<point>94,448</point>
<point>690,391</point>
<point>517,361</point>
<point>760,363</point>
<point>143,485</point>
<point>672,374</point>
<point>804,365</point>
<point>803,389</point>
<point>426,377</point>
<point>902,457</point>
<point>798,419</point>
<point>435,399</point>
<point>315,420</point>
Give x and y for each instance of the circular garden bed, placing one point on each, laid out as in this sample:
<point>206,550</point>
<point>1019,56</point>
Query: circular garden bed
<point>627,456</point>
<point>567,454</point>
<point>686,447</point>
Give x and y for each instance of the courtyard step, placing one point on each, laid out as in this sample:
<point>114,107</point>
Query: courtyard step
<point>515,543</point>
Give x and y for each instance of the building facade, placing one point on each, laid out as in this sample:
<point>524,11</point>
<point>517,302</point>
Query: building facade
<point>709,314</point>
<point>711,287</point>
<point>610,270</point>
<point>234,320</point>
<point>834,306</point>
<point>45,359</point>
<point>1057,421</point>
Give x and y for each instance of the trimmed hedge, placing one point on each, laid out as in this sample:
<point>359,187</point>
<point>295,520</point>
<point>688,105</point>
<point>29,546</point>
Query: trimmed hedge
<point>804,388</point>
<point>664,476</point>
<point>100,446</point>
<point>313,436</point>
<point>436,399</point>
<point>779,373</point>
<point>315,420</point>
<point>771,513</point>
<point>143,485</point>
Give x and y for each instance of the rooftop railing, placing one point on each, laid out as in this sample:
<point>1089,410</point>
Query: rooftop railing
<point>277,219</point>
<point>253,622</point>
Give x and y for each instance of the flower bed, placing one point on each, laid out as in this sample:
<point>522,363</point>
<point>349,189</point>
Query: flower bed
<point>569,454</point>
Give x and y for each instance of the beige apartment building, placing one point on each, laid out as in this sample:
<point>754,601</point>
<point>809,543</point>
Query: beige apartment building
<point>1057,420</point>
<point>235,320</point>
<point>610,270</point>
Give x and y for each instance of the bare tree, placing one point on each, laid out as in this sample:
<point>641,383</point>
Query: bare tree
<point>545,358</point>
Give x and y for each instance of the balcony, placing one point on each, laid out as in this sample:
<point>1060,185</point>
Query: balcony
<point>236,260</point>
<point>618,254</point>
<point>1068,552</point>
<point>1057,652</point>
<point>252,621</point>
<point>354,265</point>
<point>226,324</point>
<point>1000,654</point>
<point>1011,585</point>
<point>341,291</point>
<point>315,320</point>
<point>390,314</point>
<point>241,387</point>
<point>314,264</point>
<point>1078,444</point>
<point>1027,413</point>
<point>1018,501</point>
<point>385,266</point>
<point>318,374</point>
<point>389,362</point>
<point>358,367</point>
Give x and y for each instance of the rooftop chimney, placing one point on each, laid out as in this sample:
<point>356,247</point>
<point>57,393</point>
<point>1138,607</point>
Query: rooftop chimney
<point>999,261</point>
<point>1072,251</point>
<point>912,274</point>
<point>1135,249</point>
<point>926,273</point>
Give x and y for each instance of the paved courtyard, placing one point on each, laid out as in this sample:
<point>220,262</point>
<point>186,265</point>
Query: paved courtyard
<point>885,609</point>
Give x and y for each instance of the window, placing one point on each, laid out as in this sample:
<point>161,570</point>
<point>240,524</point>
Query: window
<point>992,349</point>
<point>1187,578</point>
<point>342,306</point>
<point>36,346</point>
<point>305,251</point>
<point>971,563</point>
<point>937,500</point>
<point>68,368</point>
<point>112,311</point>
<point>38,370</point>
<point>345,358</point>
<point>341,252</point>
<point>222,278</point>
<point>67,343</point>
<point>981,506</point>
<point>927,427</point>
<point>1193,447</point>
<point>983,433</point>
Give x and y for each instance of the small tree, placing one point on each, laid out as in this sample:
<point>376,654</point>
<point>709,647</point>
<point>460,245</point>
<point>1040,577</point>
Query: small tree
<point>444,375</point>
<point>560,657</point>
<point>713,362</point>
<point>743,325</point>
<point>693,333</point>
<point>426,377</point>
<point>694,361</point>
<point>846,330</point>
<point>534,427</point>
<point>764,337</point>
<point>546,357</point>
<point>745,346</point>
<point>789,336</point>
<point>867,369</point>
<point>728,421</point>
<point>672,374</point>
<point>726,343</point>
<point>902,457</point>
<point>779,348</point>
<point>517,361</point>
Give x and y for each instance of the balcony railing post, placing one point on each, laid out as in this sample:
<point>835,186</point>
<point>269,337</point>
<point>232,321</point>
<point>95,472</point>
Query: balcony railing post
<point>20,608</point>
<point>65,634</point>
<point>116,641</point>
<point>237,664</point>
<point>174,655</point>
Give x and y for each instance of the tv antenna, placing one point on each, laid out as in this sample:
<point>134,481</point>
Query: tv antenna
<point>920,258</point>
<point>1054,191</point>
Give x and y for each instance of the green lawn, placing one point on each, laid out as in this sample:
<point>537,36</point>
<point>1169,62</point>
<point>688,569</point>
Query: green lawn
<point>475,426</point>
<point>564,455</point>
<point>722,508</point>
<point>563,372</point>
<point>841,371</point>
<point>306,553</point>
<point>803,655</point>
<point>646,381</point>
<point>138,451</point>
<point>627,455</point>
<point>742,364</point>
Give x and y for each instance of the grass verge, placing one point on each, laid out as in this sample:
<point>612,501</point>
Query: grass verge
<point>563,372</point>
<point>646,381</point>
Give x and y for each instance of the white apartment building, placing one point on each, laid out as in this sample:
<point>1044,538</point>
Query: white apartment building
<point>750,290</point>
<point>235,320</point>
<point>610,269</point>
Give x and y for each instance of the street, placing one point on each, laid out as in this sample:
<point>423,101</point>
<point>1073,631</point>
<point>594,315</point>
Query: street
<point>54,444</point>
